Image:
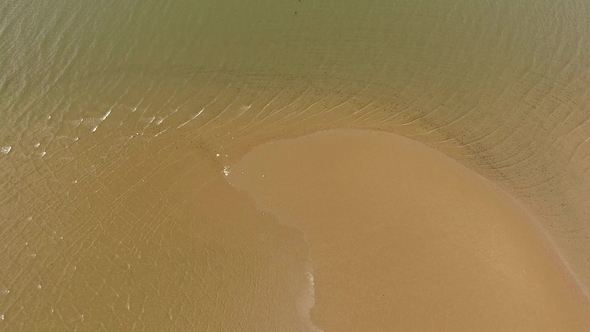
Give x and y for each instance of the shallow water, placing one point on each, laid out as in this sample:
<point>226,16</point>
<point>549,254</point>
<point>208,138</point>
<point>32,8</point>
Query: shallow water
<point>119,118</point>
<point>404,238</point>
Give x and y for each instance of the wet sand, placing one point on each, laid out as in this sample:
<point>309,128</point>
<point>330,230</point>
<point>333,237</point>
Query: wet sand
<point>404,238</point>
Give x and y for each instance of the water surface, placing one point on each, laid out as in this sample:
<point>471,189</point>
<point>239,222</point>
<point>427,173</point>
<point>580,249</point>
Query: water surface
<point>119,118</point>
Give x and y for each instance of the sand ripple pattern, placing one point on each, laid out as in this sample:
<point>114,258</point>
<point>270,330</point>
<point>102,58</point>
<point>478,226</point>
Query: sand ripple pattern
<point>119,118</point>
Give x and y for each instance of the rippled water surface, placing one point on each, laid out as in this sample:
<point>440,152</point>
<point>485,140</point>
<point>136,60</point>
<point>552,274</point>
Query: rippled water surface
<point>119,118</point>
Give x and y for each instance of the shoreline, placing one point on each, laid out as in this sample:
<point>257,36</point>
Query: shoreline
<point>181,156</point>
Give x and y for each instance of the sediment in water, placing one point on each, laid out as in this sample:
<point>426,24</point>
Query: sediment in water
<point>404,238</point>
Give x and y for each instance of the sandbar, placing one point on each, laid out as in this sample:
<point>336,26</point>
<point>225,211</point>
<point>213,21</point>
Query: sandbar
<point>404,238</point>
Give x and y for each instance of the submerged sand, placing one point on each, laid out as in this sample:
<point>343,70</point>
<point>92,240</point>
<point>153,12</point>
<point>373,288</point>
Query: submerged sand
<point>123,228</point>
<point>403,238</point>
<point>119,119</point>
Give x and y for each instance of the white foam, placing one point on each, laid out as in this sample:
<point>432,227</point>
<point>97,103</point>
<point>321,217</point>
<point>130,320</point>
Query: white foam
<point>243,109</point>
<point>5,149</point>
<point>191,119</point>
<point>106,115</point>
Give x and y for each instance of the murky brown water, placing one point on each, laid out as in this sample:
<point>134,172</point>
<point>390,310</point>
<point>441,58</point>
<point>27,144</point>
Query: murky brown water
<point>118,120</point>
<point>404,238</point>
